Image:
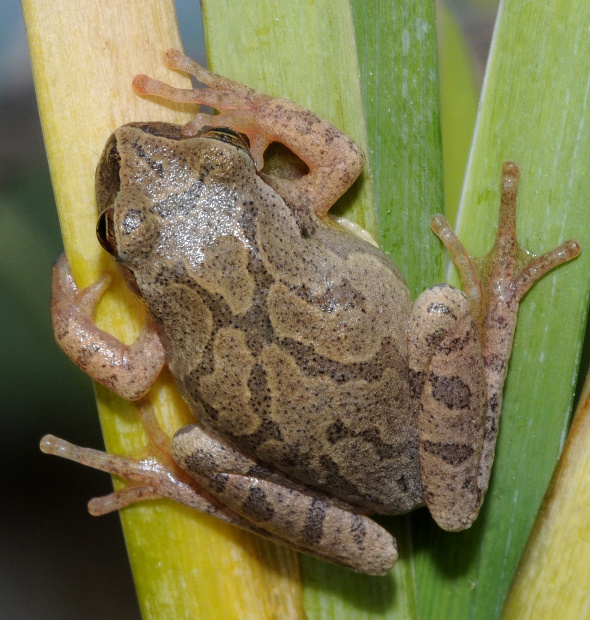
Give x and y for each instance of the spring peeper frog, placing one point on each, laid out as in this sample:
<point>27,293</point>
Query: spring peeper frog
<point>321,392</point>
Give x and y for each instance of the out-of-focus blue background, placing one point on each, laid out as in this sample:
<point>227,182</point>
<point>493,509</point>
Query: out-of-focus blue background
<point>56,561</point>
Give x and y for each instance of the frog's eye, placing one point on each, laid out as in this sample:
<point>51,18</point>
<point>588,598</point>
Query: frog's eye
<point>105,231</point>
<point>225,134</point>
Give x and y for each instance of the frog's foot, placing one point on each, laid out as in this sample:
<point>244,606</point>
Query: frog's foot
<point>153,476</point>
<point>128,370</point>
<point>237,103</point>
<point>495,286</point>
<point>149,478</point>
<point>287,511</point>
<point>332,159</point>
<point>507,272</point>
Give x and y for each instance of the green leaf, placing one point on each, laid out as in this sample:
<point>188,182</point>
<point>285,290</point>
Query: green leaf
<point>306,52</point>
<point>459,96</point>
<point>533,111</point>
<point>302,51</point>
<point>398,56</point>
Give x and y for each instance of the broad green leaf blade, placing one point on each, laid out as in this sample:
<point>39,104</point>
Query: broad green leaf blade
<point>399,77</point>
<point>533,111</point>
<point>459,97</point>
<point>306,52</point>
<point>313,62</point>
<point>398,56</point>
<point>302,51</point>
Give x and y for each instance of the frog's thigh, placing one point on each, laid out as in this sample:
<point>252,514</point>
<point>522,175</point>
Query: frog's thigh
<point>304,521</point>
<point>448,383</point>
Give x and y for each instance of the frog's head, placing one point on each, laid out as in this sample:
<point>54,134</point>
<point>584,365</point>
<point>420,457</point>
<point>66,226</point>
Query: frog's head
<point>163,197</point>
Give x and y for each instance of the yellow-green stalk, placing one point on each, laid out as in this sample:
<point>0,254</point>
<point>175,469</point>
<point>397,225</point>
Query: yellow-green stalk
<point>553,577</point>
<point>85,54</point>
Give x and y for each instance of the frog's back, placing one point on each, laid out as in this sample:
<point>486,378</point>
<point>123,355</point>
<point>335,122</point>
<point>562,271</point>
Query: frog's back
<point>288,337</point>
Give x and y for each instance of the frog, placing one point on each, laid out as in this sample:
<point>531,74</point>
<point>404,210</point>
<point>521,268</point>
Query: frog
<point>321,392</point>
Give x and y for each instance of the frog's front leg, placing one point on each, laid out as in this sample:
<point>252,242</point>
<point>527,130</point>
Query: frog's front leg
<point>128,370</point>
<point>333,159</point>
<point>459,360</point>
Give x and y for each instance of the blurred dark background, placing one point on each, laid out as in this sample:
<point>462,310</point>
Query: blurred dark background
<point>57,561</point>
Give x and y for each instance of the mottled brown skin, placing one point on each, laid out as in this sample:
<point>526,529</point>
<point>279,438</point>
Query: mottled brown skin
<point>321,393</point>
<point>265,313</point>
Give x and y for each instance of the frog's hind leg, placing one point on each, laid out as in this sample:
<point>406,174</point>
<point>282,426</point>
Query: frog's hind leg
<point>448,383</point>
<point>153,475</point>
<point>226,485</point>
<point>286,511</point>
<point>469,343</point>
